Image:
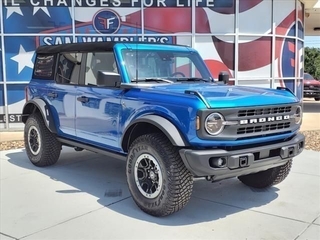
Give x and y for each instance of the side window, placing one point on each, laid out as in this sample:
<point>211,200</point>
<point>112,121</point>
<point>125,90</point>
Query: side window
<point>99,61</point>
<point>68,68</point>
<point>44,66</point>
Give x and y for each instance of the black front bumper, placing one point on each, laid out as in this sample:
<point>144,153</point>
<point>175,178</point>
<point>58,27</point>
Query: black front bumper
<point>202,163</point>
<point>311,93</point>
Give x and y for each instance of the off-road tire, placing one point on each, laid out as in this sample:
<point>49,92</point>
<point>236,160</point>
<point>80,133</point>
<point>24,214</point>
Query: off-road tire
<point>267,178</point>
<point>177,184</point>
<point>49,147</point>
<point>317,99</point>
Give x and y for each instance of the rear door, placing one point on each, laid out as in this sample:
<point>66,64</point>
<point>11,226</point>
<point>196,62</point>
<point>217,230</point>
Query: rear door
<point>98,108</point>
<point>62,93</point>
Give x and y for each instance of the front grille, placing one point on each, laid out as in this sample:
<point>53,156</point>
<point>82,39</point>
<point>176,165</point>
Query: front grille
<point>263,111</point>
<point>311,87</point>
<point>263,128</point>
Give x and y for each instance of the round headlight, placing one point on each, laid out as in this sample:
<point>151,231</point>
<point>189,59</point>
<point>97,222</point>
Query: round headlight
<point>298,115</point>
<point>214,123</point>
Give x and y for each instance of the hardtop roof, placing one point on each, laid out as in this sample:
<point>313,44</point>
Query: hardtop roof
<point>88,47</point>
<point>77,47</point>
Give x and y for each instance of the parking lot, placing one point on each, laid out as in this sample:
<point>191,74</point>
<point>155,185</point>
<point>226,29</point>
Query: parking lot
<point>85,196</point>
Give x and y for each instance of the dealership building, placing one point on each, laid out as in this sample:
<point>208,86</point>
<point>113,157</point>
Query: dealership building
<point>258,42</point>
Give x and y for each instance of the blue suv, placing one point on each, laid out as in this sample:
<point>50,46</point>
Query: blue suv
<point>158,108</point>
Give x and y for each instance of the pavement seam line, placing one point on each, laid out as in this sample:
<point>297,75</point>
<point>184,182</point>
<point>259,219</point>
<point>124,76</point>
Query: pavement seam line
<point>73,218</point>
<point>306,228</point>
<point>269,214</point>
<point>8,236</point>
<point>308,174</point>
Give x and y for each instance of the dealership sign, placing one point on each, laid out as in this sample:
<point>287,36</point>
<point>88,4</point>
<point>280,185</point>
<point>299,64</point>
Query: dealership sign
<point>119,3</point>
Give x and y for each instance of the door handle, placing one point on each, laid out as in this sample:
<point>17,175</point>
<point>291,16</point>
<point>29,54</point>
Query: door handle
<point>53,95</point>
<point>83,99</point>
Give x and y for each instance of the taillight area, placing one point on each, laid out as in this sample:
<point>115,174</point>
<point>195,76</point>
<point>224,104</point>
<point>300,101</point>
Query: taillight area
<point>26,93</point>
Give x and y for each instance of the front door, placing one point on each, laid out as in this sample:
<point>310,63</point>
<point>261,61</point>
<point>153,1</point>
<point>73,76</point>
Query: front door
<point>98,108</point>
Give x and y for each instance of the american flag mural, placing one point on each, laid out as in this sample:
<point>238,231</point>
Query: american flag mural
<point>30,23</point>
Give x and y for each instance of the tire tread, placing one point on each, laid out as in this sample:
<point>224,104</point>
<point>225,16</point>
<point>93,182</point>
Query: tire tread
<point>51,147</point>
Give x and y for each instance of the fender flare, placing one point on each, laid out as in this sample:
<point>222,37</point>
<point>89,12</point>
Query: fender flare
<point>167,127</point>
<point>43,108</point>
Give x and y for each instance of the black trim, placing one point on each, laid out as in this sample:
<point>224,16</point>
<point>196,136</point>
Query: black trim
<point>44,109</point>
<point>93,149</point>
<point>77,47</point>
<point>259,158</point>
<point>88,47</point>
<point>170,130</point>
<point>231,115</point>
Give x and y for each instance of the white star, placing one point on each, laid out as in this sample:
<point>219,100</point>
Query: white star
<point>24,59</point>
<point>44,9</point>
<point>11,10</point>
<point>65,67</point>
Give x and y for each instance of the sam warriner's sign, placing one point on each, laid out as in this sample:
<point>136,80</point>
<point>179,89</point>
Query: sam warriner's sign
<point>118,3</point>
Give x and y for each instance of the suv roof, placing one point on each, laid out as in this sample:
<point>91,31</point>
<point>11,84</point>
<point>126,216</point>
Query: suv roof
<point>77,47</point>
<point>90,47</point>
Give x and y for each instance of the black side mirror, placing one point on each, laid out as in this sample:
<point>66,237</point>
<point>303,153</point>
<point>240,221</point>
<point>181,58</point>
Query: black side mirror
<point>224,77</point>
<point>108,79</point>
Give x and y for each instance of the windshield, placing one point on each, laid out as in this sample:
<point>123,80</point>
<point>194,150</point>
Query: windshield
<point>307,76</point>
<point>155,64</point>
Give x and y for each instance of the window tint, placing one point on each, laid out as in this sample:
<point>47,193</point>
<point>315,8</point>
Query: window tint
<point>68,68</point>
<point>44,66</point>
<point>99,61</point>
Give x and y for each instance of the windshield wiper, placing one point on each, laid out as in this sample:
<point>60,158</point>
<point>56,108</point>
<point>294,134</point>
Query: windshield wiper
<point>193,79</point>
<point>152,80</point>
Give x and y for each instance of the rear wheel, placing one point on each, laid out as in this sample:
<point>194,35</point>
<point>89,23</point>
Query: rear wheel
<point>317,98</point>
<point>267,178</point>
<point>158,181</point>
<point>42,147</point>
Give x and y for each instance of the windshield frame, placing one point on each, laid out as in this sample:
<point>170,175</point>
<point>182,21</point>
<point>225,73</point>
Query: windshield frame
<point>193,56</point>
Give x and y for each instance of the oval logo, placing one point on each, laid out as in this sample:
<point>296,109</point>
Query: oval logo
<point>106,21</point>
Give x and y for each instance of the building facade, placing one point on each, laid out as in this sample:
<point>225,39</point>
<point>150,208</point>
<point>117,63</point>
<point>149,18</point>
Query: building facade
<point>259,42</point>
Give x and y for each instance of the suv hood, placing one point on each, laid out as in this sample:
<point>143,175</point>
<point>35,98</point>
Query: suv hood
<point>311,82</point>
<point>224,96</point>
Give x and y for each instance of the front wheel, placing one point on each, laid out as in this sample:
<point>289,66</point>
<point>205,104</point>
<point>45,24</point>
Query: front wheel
<point>317,98</point>
<point>267,178</point>
<point>158,181</point>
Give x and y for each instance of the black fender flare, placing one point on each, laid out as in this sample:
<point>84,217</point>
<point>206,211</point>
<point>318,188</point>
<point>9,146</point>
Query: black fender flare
<point>167,127</point>
<point>43,108</point>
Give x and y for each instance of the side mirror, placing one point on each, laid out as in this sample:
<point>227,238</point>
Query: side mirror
<point>224,77</point>
<point>108,79</point>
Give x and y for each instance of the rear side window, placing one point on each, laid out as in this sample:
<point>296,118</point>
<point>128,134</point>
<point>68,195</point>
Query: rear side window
<point>44,67</point>
<point>68,70</point>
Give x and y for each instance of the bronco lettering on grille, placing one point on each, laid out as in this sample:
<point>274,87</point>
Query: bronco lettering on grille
<point>263,120</point>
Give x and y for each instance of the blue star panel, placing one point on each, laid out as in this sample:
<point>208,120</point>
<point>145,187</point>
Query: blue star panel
<point>15,93</point>
<point>30,19</point>
<point>19,55</point>
<point>1,73</point>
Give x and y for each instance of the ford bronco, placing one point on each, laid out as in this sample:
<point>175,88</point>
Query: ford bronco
<point>158,108</point>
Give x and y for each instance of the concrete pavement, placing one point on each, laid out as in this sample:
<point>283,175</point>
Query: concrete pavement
<point>85,196</point>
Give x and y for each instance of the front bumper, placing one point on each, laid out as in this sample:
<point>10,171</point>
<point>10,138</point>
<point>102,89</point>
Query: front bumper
<point>203,163</point>
<point>311,93</point>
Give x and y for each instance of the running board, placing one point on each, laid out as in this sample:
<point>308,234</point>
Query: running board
<point>93,149</point>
